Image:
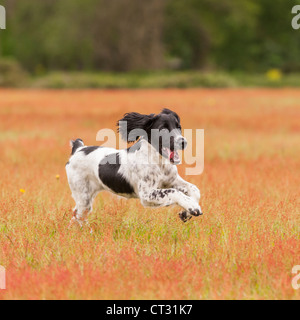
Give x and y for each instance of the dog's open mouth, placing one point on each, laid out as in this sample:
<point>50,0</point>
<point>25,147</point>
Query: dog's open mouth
<point>173,156</point>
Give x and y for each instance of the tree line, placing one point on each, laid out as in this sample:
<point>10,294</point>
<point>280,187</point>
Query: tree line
<point>138,35</point>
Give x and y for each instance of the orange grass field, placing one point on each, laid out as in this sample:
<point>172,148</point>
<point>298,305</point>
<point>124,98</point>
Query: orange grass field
<point>243,247</point>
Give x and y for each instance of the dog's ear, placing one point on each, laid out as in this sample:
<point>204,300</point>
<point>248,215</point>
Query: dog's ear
<point>168,111</point>
<point>132,121</point>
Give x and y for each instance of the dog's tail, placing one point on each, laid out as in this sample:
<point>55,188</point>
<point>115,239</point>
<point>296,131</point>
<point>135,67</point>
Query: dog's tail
<point>75,145</point>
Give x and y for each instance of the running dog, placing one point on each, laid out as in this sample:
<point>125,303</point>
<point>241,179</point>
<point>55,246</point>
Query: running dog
<point>146,171</point>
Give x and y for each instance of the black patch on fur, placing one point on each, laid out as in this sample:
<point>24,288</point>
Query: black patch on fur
<point>108,173</point>
<point>88,150</point>
<point>76,144</point>
<point>168,111</point>
<point>134,120</point>
<point>167,119</point>
<point>160,193</point>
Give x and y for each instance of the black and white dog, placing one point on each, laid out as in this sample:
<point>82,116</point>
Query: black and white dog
<point>146,171</point>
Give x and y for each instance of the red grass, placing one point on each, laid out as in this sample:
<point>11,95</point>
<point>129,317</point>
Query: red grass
<point>244,247</point>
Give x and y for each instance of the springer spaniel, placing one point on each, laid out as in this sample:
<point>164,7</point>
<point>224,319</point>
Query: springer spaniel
<point>146,171</point>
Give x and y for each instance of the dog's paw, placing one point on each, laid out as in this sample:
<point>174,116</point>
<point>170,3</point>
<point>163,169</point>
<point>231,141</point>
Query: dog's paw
<point>184,216</point>
<point>195,212</point>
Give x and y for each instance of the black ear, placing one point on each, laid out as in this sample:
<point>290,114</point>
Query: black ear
<point>134,120</point>
<point>168,111</point>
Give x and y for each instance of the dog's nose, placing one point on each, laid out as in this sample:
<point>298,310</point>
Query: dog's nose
<point>182,143</point>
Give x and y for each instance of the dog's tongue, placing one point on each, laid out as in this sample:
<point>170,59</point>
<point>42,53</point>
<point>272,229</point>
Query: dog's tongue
<point>171,156</point>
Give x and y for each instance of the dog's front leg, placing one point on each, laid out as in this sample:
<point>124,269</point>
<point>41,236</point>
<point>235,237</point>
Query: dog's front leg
<point>167,197</point>
<point>188,189</point>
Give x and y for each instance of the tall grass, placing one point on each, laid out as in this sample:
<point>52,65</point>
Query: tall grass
<point>243,247</point>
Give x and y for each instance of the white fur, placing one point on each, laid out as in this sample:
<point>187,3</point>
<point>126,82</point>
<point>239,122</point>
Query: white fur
<point>154,179</point>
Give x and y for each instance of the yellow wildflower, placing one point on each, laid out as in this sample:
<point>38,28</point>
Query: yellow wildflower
<point>274,74</point>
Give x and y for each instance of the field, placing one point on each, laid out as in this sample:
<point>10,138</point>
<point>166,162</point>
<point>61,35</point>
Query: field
<point>243,247</point>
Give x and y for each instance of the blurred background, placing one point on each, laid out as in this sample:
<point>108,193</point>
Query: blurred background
<point>153,43</point>
<point>247,242</point>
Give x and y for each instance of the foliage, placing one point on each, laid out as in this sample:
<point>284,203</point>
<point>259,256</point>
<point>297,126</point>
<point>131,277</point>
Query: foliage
<point>123,35</point>
<point>11,73</point>
<point>170,79</point>
<point>60,80</point>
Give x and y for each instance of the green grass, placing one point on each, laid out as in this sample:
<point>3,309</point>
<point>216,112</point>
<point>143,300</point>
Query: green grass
<point>167,79</point>
<point>13,75</point>
<point>178,79</point>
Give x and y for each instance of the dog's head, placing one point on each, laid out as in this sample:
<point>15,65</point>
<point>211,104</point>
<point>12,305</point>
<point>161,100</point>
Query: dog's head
<point>162,131</point>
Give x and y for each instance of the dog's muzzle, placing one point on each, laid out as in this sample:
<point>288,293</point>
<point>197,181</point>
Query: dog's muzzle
<point>172,155</point>
<point>181,143</point>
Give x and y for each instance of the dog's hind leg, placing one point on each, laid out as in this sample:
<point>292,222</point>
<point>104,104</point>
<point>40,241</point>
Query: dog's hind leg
<point>74,216</point>
<point>84,193</point>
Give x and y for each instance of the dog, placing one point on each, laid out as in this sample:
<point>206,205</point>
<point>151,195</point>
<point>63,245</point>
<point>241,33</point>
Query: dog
<point>146,171</point>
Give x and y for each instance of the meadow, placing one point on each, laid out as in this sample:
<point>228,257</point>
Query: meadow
<point>243,247</point>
